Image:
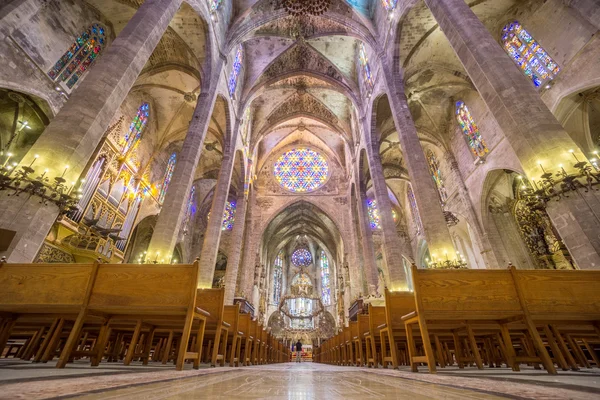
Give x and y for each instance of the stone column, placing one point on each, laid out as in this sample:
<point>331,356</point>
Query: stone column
<point>391,241</point>
<point>212,236</point>
<point>174,208</point>
<point>480,237</point>
<point>74,134</point>
<point>251,240</point>
<point>235,256</point>
<point>432,217</point>
<point>533,132</point>
<point>588,9</point>
<point>371,273</point>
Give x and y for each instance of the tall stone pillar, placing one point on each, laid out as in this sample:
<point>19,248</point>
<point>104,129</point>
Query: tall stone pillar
<point>432,217</point>
<point>370,265</point>
<point>212,237</point>
<point>251,240</point>
<point>74,134</point>
<point>588,9</point>
<point>235,256</point>
<point>480,237</point>
<point>391,241</point>
<point>174,207</point>
<point>533,132</point>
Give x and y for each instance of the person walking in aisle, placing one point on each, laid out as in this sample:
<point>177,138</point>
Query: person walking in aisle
<point>298,351</point>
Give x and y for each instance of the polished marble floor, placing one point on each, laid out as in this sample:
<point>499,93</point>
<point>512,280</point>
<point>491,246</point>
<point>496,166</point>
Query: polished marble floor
<point>24,380</point>
<point>293,381</point>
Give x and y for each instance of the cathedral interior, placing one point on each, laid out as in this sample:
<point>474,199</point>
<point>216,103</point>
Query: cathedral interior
<point>207,183</point>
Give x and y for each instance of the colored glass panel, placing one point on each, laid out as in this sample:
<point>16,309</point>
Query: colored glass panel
<point>389,4</point>
<point>229,216</point>
<point>436,174</point>
<point>375,216</point>
<point>528,55</point>
<point>414,209</point>
<point>235,72</point>
<point>301,258</point>
<point>301,170</point>
<point>469,128</point>
<point>366,69</point>
<point>167,178</point>
<point>325,285</point>
<point>215,5</point>
<point>190,209</point>
<point>277,277</point>
<point>79,57</point>
<point>137,127</point>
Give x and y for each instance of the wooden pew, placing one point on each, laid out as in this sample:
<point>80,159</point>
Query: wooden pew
<point>359,341</point>
<point>231,314</point>
<point>152,295</point>
<point>245,326</point>
<point>43,293</point>
<point>377,321</point>
<point>217,327</point>
<point>449,298</point>
<point>397,304</point>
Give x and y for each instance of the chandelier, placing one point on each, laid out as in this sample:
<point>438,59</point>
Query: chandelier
<point>299,8</point>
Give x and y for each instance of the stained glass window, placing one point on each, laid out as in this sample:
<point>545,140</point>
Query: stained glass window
<point>414,209</point>
<point>325,285</point>
<point>277,277</point>
<point>167,178</point>
<point>214,5</point>
<point>436,173</point>
<point>136,128</point>
<point>364,63</point>
<point>301,170</point>
<point>469,128</point>
<point>229,216</point>
<point>190,210</point>
<point>389,4</point>
<point>79,57</point>
<point>375,216</point>
<point>301,258</point>
<point>235,72</point>
<point>528,54</point>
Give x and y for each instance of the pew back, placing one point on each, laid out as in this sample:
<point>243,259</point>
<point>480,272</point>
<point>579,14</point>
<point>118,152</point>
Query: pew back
<point>212,301</point>
<point>148,289</point>
<point>570,295</point>
<point>398,304</point>
<point>35,288</point>
<point>449,294</point>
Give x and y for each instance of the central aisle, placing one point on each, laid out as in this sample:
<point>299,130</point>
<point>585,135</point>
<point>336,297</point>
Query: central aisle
<point>292,381</point>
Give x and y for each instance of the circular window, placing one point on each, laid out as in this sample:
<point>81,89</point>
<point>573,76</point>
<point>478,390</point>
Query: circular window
<point>301,258</point>
<point>301,170</point>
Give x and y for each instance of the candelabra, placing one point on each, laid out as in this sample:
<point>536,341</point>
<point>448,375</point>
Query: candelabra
<point>55,191</point>
<point>458,263</point>
<point>558,185</point>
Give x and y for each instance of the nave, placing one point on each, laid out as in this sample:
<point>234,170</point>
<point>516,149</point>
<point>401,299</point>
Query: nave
<point>288,381</point>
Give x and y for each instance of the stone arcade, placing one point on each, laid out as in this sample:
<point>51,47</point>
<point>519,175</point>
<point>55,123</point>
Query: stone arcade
<point>401,185</point>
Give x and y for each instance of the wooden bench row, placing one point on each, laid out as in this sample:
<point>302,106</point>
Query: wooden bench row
<point>125,312</point>
<point>476,317</point>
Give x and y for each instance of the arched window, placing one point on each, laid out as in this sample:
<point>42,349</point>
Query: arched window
<point>414,209</point>
<point>528,54</point>
<point>190,210</point>
<point>375,216</point>
<point>436,173</point>
<point>79,57</point>
<point>277,277</point>
<point>167,178</point>
<point>229,216</point>
<point>235,72</point>
<point>215,5</point>
<point>325,285</point>
<point>389,4</point>
<point>137,127</point>
<point>366,69</point>
<point>469,128</point>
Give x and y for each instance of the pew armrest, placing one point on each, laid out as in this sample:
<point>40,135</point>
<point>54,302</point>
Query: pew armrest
<point>409,316</point>
<point>382,326</point>
<point>226,325</point>
<point>202,312</point>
